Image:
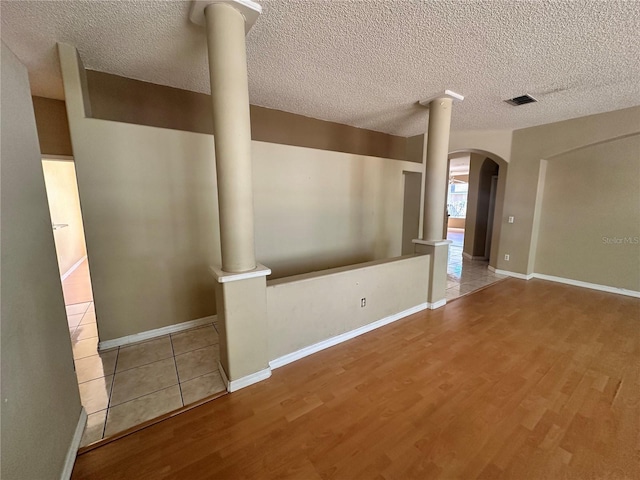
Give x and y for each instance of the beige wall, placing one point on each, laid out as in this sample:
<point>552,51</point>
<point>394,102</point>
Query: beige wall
<point>150,213</point>
<point>475,163</point>
<point>481,171</point>
<point>495,143</point>
<point>492,142</point>
<point>316,209</point>
<point>53,126</point>
<point>64,206</point>
<point>126,100</point>
<point>438,263</point>
<point>530,146</point>
<point>499,215</point>
<point>300,315</point>
<point>150,209</point>
<point>411,210</point>
<point>242,325</point>
<point>591,198</point>
<point>40,399</point>
<point>415,146</point>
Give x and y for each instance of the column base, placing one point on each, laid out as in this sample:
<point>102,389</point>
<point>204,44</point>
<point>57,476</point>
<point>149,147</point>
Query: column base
<point>241,300</point>
<point>439,252</point>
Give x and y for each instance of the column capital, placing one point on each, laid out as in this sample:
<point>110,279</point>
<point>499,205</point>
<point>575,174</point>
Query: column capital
<point>456,97</point>
<point>249,10</point>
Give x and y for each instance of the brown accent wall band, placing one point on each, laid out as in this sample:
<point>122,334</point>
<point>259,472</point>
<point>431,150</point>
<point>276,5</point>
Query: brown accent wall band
<point>132,101</point>
<point>53,126</point>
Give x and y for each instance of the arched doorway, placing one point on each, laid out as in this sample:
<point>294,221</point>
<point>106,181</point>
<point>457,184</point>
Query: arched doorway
<point>471,256</point>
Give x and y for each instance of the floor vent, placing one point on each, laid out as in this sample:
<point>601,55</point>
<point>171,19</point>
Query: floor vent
<point>521,100</point>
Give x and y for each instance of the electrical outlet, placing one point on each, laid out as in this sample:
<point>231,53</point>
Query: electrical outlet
<point>363,302</point>
<point>510,219</point>
<point>506,257</point>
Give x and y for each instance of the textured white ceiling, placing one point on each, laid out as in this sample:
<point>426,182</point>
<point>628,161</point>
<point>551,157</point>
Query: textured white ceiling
<point>363,63</point>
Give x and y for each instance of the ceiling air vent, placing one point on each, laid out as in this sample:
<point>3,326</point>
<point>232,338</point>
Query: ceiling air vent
<point>521,100</point>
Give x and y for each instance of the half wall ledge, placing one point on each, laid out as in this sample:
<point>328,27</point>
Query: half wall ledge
<point>431,243</point>
<point>225,277</point>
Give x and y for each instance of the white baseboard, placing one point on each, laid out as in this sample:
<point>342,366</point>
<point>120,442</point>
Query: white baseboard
<point>158,332</point>
<point>438,304</point>
<point>343,337</point>
<point>521,276</point>
<point>569,281</point>
<point>235,385</point>
<point>70,459</point>
<point>73,268</point>
<point>592,286</point>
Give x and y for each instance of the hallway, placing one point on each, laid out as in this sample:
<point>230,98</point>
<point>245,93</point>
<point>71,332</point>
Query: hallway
<point>125,386</point>
<point>465,276</point>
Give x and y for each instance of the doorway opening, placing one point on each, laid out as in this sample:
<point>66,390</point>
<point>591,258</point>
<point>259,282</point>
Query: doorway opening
<point>457,194</point>
<point>75,277</point>
<point>472,206</point>
<point>71,251</point>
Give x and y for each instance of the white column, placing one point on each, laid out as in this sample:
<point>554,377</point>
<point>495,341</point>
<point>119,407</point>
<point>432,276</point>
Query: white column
<point>232,134</point>
<point>241,287</point>
<point>435,195</point>
<point>436,174</point>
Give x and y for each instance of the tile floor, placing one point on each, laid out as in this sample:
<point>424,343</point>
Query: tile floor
<point>465,276</point>
<point>77,286</point>
<point>128,385</point>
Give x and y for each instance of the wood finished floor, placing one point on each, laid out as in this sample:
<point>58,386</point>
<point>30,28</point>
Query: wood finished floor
<point>522,380</point>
